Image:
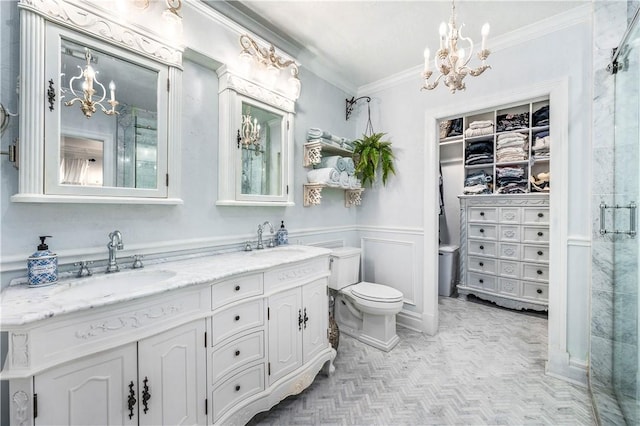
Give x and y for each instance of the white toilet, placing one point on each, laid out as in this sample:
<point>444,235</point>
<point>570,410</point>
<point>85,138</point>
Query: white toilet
<point>363,310</point>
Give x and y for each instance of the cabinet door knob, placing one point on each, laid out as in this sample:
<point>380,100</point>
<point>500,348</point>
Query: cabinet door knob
<point>539,291</point>
<point>237,318</point>
<point>481,230</point>
<point>480,281</point>
<point>540,214</point>
<point>481,247</point>
<point>237,288</point>
<point>481,213</point>
<point>540,253</point>
<point>237,353</point>
<point>540,234</point>
<point>539,272</point>
<point>481,264</point>
<point>237,388</point>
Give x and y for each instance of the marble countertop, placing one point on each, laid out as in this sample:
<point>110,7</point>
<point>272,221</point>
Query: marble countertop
<point>21,304</point>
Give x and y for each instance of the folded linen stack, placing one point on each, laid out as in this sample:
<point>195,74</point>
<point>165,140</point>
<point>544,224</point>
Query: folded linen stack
<point>479,128</point>
<point>511,147</point>
<point>477,183</point>
<point>510,180</point>
<point>508,122</point>
<point>479,153</point>
<point>541,145</point>
<point>318,135</point>
<point>540,183</point>
<point>541,116</point>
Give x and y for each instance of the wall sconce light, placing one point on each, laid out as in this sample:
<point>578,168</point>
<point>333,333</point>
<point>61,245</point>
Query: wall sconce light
<point>90,77</point>
<point>271,62</point>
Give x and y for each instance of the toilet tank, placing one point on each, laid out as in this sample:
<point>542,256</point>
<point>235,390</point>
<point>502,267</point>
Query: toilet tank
<point>345,267</point>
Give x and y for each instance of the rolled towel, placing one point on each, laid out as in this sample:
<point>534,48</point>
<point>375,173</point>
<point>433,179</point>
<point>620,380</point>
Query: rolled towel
<point>344,180</point>
<point>350,166</point>
<point>354,182</point>
<point>327,175</point>
<point>315,133</point>
<point>334,161</point>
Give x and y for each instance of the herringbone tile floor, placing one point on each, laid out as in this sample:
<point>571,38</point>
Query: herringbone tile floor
<point>485,366</point>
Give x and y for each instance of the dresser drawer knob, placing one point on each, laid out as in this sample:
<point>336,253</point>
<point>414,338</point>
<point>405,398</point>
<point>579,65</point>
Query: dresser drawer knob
<point>539,291</point>
<point>237,318</point>
<point>540,214</point>
<point>539,272</point>
<point>237,388</point>
<point>237,288</point>
<point>481,264</point>
<point>540,253</point>
<point>540,234</point>
<point>480,281</point>
<point>481,213</point>
<point>237,353</point>
<point>481,247</point>
<point>481,230</point>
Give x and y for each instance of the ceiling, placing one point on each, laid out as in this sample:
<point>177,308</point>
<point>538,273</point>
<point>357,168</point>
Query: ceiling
<point>355,43</point>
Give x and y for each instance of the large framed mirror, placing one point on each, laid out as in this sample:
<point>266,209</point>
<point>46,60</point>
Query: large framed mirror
<point>100,114</point>
<point>256,137</point>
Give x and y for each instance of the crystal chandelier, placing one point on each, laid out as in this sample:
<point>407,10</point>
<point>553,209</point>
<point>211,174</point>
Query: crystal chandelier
<point>250,136</point>
<point>90,77</point>
<point>450,60</point>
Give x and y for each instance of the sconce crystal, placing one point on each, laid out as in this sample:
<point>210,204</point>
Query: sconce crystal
<point>89,78</point>
<point>452,61</point>
<point>271,63</point>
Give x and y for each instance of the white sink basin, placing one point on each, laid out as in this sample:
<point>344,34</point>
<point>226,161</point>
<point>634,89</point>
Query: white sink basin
<point>116,282</point>
<point>281,252</point>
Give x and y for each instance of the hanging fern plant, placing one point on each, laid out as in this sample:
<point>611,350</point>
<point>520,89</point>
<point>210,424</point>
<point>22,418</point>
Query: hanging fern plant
<point>373,155</point>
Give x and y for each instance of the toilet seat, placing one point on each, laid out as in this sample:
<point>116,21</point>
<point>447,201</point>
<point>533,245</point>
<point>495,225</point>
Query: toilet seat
<point>376,293</point>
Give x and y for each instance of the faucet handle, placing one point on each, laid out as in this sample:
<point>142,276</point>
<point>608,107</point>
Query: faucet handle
<point>247,246</point>
<point>271,244</point>
<point>84,268</point>
<point>137,262</point>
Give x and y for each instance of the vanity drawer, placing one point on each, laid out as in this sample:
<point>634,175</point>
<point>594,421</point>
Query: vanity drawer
<point>510,287</point>
<point>535,253</point>
<point>483,231</point>
<point>535,234</point>
<point>485,282</point>
<point>509,251</point>
<point>533,272</point>
<point>509,269</point>
<point>237,319</point>
<point>237,353</point>
<point>236,389</point>
<point>536,215</point>
<point>229,291</point>
<point>535,291</point>
<point>510,233</point>
<point>510,215</point>
<point>483,248</point>
<point>481,264</point>
<point>483,214</point>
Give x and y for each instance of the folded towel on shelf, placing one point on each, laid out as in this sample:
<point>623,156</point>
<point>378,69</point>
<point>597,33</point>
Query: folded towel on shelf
<point>335,161</point>
<point>344,179</point>
<point>315,133</point>
<point>481,131</point>
<point>354,182</point>
<point>327,175</point>
<point>350,166</point>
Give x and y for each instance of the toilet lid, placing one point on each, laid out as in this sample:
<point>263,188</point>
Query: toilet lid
<point>376,292</point>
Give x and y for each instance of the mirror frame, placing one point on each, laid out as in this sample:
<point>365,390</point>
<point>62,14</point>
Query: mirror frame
<point>233,91</point>
<point>83,21</point>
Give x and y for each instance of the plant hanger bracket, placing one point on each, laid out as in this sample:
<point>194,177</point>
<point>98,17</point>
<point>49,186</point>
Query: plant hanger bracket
<point>350,104</point>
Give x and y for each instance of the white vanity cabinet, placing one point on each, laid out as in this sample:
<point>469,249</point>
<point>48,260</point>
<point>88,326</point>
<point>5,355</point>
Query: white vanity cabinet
<point>154,381</point>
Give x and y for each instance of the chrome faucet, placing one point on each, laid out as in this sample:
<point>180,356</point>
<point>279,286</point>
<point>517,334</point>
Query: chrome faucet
<point>260,229</point>
<point>115,243</point>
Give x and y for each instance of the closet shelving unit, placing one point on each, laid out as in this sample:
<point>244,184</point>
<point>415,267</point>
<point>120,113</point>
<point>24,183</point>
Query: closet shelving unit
<point>504,238</point>
<point>313,153</point>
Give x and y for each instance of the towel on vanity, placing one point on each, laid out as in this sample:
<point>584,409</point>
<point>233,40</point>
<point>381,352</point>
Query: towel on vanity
<point>334,161</point>
<point>327,175</point>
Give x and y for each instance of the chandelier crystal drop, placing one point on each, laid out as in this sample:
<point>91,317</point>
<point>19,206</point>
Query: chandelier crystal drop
<point>250,136</point>
<point>452,61</point>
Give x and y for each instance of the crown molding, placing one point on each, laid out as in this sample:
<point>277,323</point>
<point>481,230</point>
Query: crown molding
<point>538,29</point>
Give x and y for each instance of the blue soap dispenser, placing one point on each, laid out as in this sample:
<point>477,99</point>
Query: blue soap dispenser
<point>42,266</point>
<point>282,236</point>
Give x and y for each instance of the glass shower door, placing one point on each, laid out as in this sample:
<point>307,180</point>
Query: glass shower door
<point>626,361</point>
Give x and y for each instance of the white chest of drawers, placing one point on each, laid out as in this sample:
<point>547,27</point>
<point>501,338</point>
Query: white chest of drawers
<point>504,249</point>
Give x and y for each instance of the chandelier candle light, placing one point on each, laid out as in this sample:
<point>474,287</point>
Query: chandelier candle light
<point>451,60</point>
<point>87,104</point>
<point>250,132</point>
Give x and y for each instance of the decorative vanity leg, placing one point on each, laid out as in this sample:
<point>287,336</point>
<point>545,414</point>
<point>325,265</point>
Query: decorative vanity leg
<point>328,368</point>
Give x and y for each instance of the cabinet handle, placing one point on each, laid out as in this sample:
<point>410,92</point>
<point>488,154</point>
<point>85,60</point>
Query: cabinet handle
<point>480,281</point>
<point>237,288</point>
<point>540,253</point>
<point>237,318</point>
<point>237,353</point>
<point>131,400</point>
<point>306,318</point>
<point>539,272</point>
<point>238,139</point>
<point>481,213</point>
<point>540,215</point>
<point>299,319</point>
<point>481,264</point>
<point>540,234</point>
<point>481,247</point>
<point>539,291</point>
<point>237,388</point>
<point>146,396</point>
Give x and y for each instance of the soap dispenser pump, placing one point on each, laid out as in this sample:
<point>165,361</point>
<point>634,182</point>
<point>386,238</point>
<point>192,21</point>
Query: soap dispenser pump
<point>42,266</point>
<point>282,236</point>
